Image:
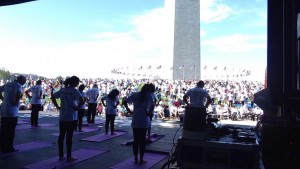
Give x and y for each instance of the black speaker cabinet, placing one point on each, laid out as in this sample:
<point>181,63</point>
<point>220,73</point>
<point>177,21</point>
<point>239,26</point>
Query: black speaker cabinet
<point>280,146</point>
<point>195,154</point>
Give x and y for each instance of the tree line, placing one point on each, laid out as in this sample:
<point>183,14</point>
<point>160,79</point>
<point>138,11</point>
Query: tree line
<point>4,74</point>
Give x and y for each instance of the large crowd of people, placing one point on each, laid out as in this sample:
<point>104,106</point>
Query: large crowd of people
<point>230,99</point>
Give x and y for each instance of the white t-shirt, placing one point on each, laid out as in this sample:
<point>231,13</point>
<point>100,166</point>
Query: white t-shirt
<point>197,96</point>
<point>36,91</point>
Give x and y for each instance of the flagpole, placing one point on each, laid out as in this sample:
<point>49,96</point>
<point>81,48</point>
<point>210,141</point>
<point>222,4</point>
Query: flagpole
<point>194,73</point>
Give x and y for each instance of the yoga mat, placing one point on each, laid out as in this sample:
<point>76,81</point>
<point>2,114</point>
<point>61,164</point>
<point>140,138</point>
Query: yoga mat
<point>85,130</point>
<point>24,127</point>
<point>29,146</point>
<point>102,137</point>
<point>47,124</point>
<point>22,122</point>
<point>100,121</point>
<point>28,126</point>
<point>80,155</point>
<point>153,138</point>
<point>151,158</point>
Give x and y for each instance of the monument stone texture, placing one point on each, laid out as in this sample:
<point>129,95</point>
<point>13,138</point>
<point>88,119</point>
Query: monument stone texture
<point>186,55</point>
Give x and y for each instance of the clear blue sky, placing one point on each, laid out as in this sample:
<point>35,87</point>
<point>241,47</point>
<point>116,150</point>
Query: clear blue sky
<point>90,38</point>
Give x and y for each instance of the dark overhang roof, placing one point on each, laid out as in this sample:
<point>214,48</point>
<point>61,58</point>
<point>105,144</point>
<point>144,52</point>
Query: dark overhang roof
<point>13,2</point>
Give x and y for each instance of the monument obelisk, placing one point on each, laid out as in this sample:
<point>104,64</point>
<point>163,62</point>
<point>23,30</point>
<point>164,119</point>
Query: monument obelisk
<point>186,53</point>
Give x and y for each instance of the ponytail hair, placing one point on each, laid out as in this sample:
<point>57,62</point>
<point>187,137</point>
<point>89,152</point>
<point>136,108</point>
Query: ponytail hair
<point>113,94</point>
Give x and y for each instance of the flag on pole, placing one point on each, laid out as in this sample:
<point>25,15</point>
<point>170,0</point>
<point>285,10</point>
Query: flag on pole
<point>215,68</point>
<point>193,67</point>
<point>205,67</point>
<point>181,67</point>
<point>225,68</point>
<point>159,67</point>
<point>248,73</point>
<point>149,67</point>
<point>141,68</point>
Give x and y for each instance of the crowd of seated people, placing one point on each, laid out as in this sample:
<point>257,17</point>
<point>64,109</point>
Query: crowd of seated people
<point>231,99</point>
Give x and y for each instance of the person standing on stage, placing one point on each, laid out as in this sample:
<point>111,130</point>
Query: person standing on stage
<point>143,106</point>
<point>13,92</point>
<point>35,101</point>
<point>71,101</point>
<point>82,108</point>
<point>111,103</point>
<point>151,90</point>
<point>198,97</point>
<point>92,96</point>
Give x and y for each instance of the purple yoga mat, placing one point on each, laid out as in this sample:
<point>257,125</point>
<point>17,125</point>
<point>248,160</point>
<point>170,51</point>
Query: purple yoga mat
<point>151,158</point>
<point>103,136</point>
<point>80,155</point>
<point>153,138</point>
<point>29,146</point>
<point>28,126</point>
<point>47,124</point>
<point>100,121</point>
<point>85,130</point>
<point>22,122</point>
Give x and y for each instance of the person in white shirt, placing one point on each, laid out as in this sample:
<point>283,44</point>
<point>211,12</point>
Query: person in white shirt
<point>71,102</point>
<point>111,103</point>
<point>9,112</point>
<point>198,97</point>
<point>92,97</point>
<point>35,101</point>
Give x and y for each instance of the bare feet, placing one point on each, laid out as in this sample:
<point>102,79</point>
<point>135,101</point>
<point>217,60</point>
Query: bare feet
<point>61,158</point>
<point>142,162</point>
<point>69,159</point>
<point>136,161</point>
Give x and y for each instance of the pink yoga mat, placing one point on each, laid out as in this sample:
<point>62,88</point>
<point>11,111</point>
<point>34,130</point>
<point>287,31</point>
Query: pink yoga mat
<point>103,136</point>
<point>80,155</point>
<point>151,158</point>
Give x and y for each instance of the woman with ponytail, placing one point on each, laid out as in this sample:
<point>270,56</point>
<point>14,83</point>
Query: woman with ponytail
<point>143,106</point>
<point>71,101</point>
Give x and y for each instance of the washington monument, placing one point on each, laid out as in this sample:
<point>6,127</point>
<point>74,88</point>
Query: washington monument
<point>186,54</point>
